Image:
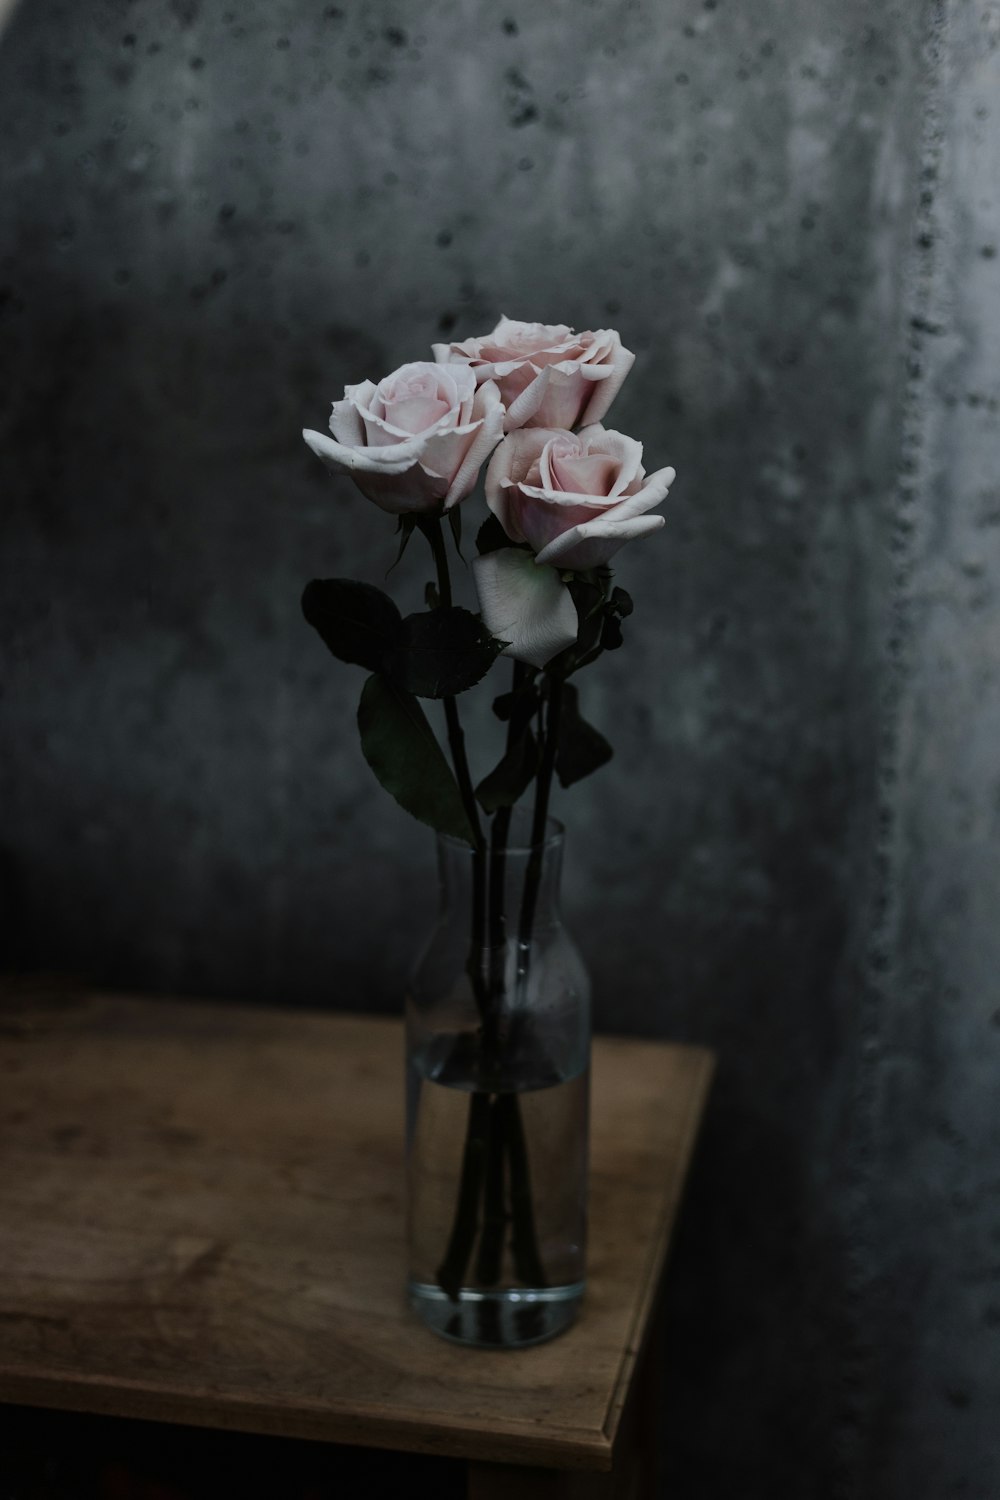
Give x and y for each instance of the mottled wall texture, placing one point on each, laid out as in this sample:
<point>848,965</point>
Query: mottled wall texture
<point>211,219</point>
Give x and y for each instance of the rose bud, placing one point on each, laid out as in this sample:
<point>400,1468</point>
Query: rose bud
<point>548,375</point>
<point>525,604</point>
<point>417,440</point>
<point>574,499</point>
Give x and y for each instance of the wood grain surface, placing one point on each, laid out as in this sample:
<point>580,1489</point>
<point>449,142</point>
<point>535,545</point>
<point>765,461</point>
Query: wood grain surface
<point>202,1221</point>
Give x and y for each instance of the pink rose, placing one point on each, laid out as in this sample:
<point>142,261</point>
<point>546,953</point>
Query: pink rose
<point>548,375</point>
<point>574,499</point>
<point>416,441</point>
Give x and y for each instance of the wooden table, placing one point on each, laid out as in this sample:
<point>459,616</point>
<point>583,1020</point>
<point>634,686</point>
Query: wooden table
<point>201,1221</point>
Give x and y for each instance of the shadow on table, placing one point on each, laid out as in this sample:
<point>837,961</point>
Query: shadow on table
<point>47,1455</point>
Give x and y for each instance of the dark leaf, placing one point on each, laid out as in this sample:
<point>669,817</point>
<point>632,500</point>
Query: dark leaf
<point>359,623</point>
<point>581,749</point>
<point>399,745</point>
<point>431,596</point>
<point>491,536</point>
<point>589,603</point>
<point>441,653</point>
<point>405,529</point>
<point>455,522</point>
<point>621,603</point>
<point>588,596</point>
<point>611,635</point>
<point>506,782</point>
<point>523,700</point>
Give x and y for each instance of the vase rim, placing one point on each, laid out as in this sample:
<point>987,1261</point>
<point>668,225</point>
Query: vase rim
<point>554,834</point>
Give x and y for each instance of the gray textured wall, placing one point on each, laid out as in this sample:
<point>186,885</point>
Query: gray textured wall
<point>212,219</point>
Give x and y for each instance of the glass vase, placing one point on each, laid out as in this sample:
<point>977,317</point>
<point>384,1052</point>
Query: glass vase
<point>498,1073</point>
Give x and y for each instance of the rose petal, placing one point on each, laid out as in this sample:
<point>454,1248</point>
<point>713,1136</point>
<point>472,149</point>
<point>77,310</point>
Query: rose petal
<point>525,337</point>
<point>394,460</point>
<point>394,480</point>
<point>568,498</point>
<point>361,395</point>
<point>628,452</point>
<point>605,391</point>
<point>417,413</point>
<point>419,489</point>
<point>490,413</point>
<point>583,365</point>
<point>420,378</point>
<point>512,459</point>
<point>524,406</point>
<point>541,519</point>
<point>346,424</point>
<point>563,400</point>
<point>591,474</point>
<point>596,542</point>
<point>654,489</point>
<point>524,604</point>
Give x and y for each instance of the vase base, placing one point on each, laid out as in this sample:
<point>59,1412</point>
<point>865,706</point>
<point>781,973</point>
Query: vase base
<point>510,1319</point>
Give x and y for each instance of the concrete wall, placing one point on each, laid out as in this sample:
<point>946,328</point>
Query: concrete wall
<point>925,1204</point>
<point>215,217</point>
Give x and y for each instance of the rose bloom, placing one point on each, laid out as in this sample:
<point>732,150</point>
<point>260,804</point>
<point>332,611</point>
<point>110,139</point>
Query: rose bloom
<point>548,375</point>
<point>575,499</point>
<point>417,440</point>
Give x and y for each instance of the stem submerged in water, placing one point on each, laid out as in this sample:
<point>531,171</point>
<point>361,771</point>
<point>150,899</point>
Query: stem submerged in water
<point>451,1272</point>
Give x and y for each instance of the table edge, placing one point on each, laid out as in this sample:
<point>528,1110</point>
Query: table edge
<point>651,1283</point>
<point>507,1442</point>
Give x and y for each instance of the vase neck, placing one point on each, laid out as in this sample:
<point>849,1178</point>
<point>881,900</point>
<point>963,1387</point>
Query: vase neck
<point>517,883</point>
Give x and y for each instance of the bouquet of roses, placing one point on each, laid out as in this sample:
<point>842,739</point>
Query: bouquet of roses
<point>564,493</point>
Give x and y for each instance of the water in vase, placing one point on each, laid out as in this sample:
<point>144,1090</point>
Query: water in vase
<point>497,1202</point>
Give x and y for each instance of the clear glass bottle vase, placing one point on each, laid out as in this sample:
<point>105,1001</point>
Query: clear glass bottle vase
<point>498,1074</point>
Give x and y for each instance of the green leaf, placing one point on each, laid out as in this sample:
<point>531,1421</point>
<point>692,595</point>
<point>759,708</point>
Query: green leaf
<point>491,536</point>
<point>357,622</point>
<point>441,653</point>
<point>512,776</point>
<point>399,745</point>
<point>581,749</point>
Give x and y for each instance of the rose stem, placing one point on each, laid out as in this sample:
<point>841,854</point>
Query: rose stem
<point>524,1236</point>
<point>456,739</point>
<point>452,1271</point>
<point>538,822</point>
<point>490,1258</point>
<point>516,725</point>
<point>431,527</point>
